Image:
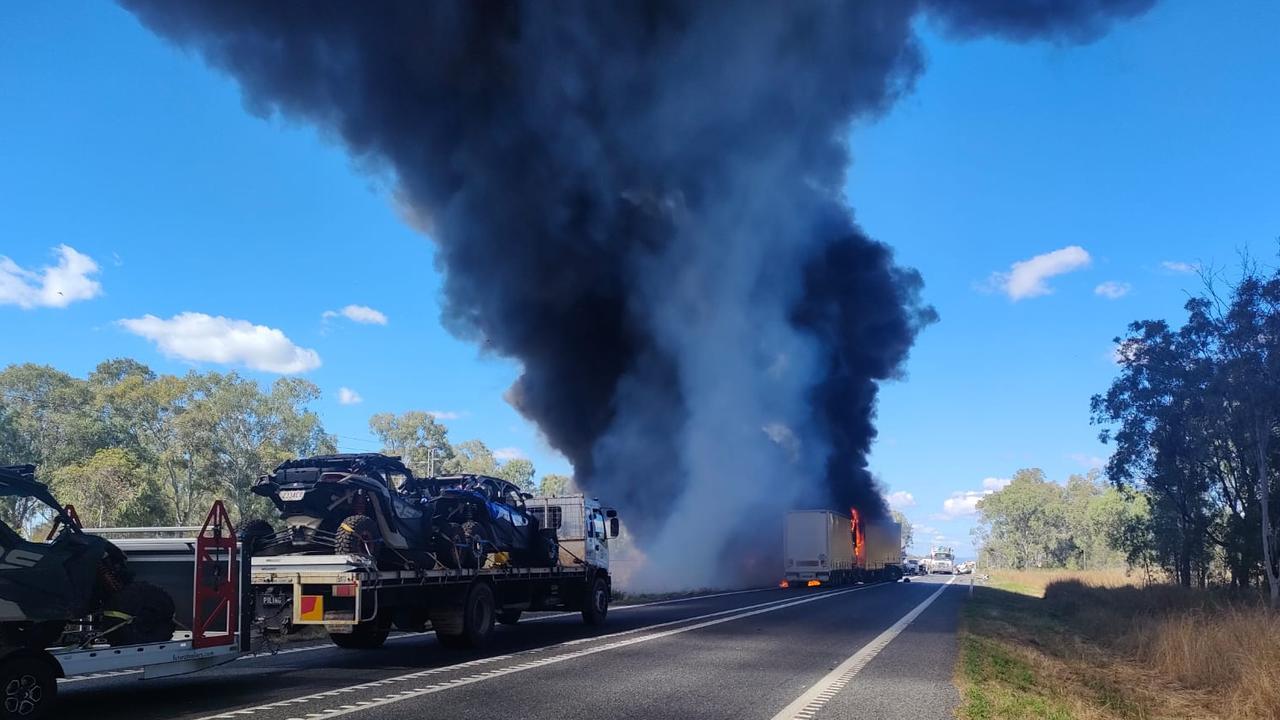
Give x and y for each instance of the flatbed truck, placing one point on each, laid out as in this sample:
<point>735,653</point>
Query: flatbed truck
<point>359,604</point>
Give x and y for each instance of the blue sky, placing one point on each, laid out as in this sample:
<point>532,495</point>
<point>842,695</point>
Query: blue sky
<point>1155,145</point>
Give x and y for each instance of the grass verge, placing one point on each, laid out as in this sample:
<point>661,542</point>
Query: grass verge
<point>1090,646</point>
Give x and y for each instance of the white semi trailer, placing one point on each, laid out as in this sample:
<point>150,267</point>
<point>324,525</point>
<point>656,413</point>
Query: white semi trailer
<point>821,547</point>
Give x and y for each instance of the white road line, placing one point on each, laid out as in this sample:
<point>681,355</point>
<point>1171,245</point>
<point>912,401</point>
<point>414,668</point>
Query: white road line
<point>331,646</point>
<point>616,608</point>
<point>813,699</point>
<point>599,644</point>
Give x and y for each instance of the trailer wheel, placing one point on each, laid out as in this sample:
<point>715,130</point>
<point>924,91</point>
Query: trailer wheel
<point>30,688</point>
<point>149,610</point>
<point>365,636</point>
<point>509,617</point>
<point>477,616</point>
<point>596,605</point>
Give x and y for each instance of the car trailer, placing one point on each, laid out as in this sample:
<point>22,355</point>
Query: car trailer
<point>222,614</point>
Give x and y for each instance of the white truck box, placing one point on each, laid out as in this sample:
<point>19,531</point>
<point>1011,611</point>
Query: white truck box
<point>816,543</point>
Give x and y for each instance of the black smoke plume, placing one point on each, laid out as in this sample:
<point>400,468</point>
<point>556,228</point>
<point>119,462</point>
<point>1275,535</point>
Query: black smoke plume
<point>642,203</point>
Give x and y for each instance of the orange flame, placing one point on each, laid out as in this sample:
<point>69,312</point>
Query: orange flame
<point>784,584</point>
<point>855,526</point>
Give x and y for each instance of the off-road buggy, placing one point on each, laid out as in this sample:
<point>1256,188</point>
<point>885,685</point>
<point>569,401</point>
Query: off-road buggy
<point>373,505</point>
<point>74,587</point>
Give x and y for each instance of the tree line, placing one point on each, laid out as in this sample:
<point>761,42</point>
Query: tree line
<point>1035,523</point>
<point>129,446</point>
<point>1193,417</point>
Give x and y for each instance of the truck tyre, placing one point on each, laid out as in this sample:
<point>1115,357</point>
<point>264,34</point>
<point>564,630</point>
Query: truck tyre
<point>509,617</point>
<point>358,535</point>
<point>472,627</point>
<point>28,688</point>
<point>595,606</point>
<point>365,636</point>
<point>149,611</point>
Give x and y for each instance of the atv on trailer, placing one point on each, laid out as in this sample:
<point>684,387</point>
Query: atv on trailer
<point>352,504</point>
<point>477,515</point>
<point>73,577</point>
<point>372,505</point>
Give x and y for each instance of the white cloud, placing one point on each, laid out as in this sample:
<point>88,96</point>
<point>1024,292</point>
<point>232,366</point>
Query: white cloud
<point>509,453</point>
<point>362,314</point>
<point>1112,290</point>
<point>347,396</point>
<point>963,504</point>
<point>1179,267</point>
<point>52,285</point>
<point>201,337</point>
<point>1026,278</point>
<point>900,500</point>
<point>1089,462</point>
<point>444,414</point>
<point>994,483</point>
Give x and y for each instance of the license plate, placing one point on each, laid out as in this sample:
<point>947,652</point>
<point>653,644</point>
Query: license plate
<point>292,495</point>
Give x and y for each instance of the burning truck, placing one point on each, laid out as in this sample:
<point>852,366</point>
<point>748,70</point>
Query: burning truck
<point>821,547</point>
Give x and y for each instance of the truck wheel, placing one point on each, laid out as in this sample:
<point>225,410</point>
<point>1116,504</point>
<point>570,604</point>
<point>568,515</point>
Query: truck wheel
<point>474,625</point>
<point>365,636</point>
<point>149,610</point>
<point>596,605</point>
<point>509,617</point>
<point>358,535</point>
<point>30,688</point>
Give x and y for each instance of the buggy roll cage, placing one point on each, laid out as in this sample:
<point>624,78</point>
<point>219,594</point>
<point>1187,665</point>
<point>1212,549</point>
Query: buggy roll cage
<point>20,481</point>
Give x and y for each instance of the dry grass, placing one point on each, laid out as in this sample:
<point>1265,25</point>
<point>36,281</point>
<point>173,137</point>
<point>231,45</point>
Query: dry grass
<point>1034,582</point>
<point>1096,645</point>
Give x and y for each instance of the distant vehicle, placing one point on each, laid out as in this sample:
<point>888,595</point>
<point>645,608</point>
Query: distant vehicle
<point>941,560</point>
<point>965,567</point>
<point>911,566</point>
<point>822,547</point>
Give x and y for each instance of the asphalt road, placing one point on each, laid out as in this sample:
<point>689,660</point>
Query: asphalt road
<point>879,651</point>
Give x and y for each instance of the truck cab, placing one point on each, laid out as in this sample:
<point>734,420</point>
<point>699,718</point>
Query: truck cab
<point>582,526</point>
<point>942,560</point>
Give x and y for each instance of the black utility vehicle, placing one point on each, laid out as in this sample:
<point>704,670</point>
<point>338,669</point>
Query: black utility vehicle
<point>372,504</point>
<point>75,578</point>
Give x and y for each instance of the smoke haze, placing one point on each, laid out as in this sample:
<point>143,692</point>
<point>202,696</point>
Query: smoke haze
<point>643,204</point>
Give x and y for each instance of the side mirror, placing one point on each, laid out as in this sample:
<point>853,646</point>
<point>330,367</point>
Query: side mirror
<point>613,526</point>
<point>526,496</point>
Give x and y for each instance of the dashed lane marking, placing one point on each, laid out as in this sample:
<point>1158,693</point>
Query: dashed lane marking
<point>807,705</point>
<point>331,646</point>
<point>599,644</point>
